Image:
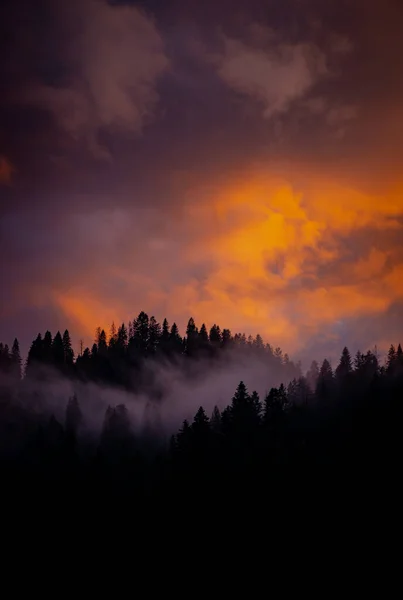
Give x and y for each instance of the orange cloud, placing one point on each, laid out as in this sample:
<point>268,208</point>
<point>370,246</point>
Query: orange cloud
<point>280,264</point>
<point>86,312</point>
<point>256,255</point>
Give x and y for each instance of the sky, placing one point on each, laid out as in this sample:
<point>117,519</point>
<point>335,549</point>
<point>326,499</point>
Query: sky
<point>235,161</point>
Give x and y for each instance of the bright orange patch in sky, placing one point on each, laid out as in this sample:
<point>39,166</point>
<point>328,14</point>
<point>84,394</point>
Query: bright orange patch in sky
<point>287,263</point>
<point>281,262</point>
<point>87,312</point>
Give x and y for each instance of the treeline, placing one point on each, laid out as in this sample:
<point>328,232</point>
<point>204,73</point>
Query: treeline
<point>343,420</point>
<point>353,384</point>
<point>119,358</point>
<point>10,361</point>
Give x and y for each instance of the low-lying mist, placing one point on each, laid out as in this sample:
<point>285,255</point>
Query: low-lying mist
<point>173,393</point>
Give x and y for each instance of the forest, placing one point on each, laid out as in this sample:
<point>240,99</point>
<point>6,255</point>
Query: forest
<point>329,424</point>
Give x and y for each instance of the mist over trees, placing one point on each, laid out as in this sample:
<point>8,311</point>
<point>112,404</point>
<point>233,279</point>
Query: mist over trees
<point>341,418</point>
<point>122,356</point>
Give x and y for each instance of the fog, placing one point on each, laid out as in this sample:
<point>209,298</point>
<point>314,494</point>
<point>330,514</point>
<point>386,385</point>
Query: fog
<point>173,392</point>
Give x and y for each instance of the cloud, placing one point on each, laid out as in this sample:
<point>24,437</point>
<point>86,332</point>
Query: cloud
<point>341,44</point>
<point>276,75</point>
<point>290,262</point>
<point>287,257</point>
<point>290,256</point>
<point>6,170</point>
<point>258,254</point>
<point>112,62</point>
<point>339,116</point>
<point>316,105</point>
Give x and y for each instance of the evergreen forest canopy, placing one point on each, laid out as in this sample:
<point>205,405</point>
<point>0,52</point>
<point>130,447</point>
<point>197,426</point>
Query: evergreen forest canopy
<point>349,416</point>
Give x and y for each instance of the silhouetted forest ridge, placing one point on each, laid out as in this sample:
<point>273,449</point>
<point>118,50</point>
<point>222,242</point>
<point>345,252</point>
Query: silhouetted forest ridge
<point>120,357</point>
<point>349,416</point>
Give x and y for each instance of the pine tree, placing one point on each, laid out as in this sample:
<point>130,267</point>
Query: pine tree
<point>175,340</point>
<point>73,416</point>
<point>141,332</point>
<point>201,423</point>
<point>215,421</point>
<point>122,420</point>
<point>313,375</point>
<point>278,355</point>
<point>240,397</point>
<point>324,384</point>
<point>191,338</point>
<point>292,391</point>
<point>68,350</point>
<point>185,429</point>
<point>113,335</point>
<point>226,338</point>
<point>203,335</point>
<point>191,329</point>
<point>5,360</point>
<point>165,337</point>
<point>215,336</point>
<point>203,344</point>
<point>102,343</point>
<point>58,350</point>
<point>240,341</point>
<point>283,398</point>
<point>258,343</point>
<point>200,436</point>
<point>256,405</point>
<point>304,392</point>
<point>244,413</point>
<point>116,424</point>
<point>370,365</point>
<point>154,335</point>
<point>84,363</point>
<point>183,438</point>
<point>16,360</point>
<point>359,361</point>
<point>391,359</point>
<point>121,341</point>
<point>345,367</point>
<point>35,355</point>
<point>226,420</point>
<point>47,351</point>
<point>275,404</point>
